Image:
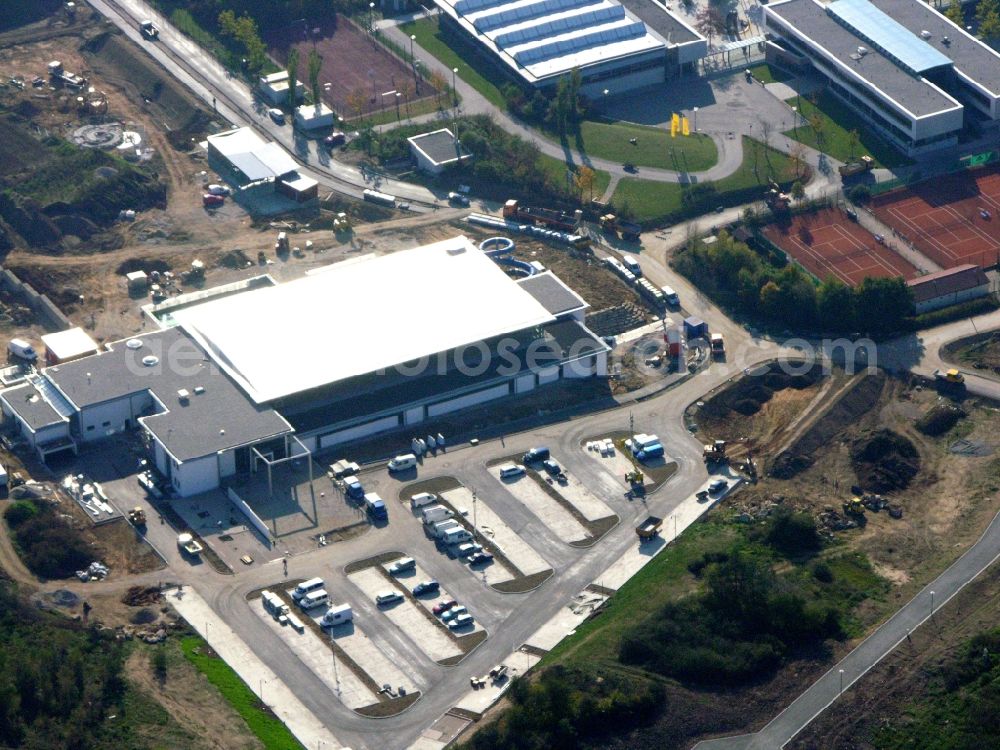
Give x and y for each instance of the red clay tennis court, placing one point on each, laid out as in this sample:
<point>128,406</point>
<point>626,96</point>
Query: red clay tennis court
<point>952,220</point>
<point>827,243</point>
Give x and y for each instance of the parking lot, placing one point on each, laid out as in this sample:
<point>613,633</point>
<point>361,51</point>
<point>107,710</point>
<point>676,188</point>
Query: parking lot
<point>548,510</point>
<point>405,615</point>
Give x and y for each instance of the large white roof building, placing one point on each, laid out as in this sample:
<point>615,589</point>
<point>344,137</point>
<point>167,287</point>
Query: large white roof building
<point>616,45</point>
<point>360,347</point>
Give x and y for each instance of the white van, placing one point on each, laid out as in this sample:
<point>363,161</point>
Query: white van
<point>403,462</point>
<point>314,599</point>
<point>313,584</point>
<point>671,296</point>
<point>22,350</point>
<point>337,615</point>
<point>511,470</point>
<point>421,499</point>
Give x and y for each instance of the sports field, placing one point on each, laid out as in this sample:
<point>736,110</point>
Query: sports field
<point>353,62</point>
<point>828,243</point>
<point>953,219</point>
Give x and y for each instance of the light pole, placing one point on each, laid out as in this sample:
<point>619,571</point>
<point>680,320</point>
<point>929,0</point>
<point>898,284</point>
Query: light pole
<point>932,604</point>
<point>674,516</point>
<point>454,85</point>
<point>413,62</point>
<point>841,682</point>
<point>398,96</point>
<point>371,18</point>
<point>696,119</point>
<point>475,524</point>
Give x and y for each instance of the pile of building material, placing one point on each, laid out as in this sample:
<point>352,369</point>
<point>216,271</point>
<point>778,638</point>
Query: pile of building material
<point>95,572</point>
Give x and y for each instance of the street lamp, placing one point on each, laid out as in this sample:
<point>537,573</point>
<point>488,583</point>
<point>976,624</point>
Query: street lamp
<point>475,525</point>
<point>398,95</point>
<point>932,603</point>
<point>413,63</point>
<point>841,681</point>
<point>696,119</point>
<point>454,84</point>
<point>371,18</point>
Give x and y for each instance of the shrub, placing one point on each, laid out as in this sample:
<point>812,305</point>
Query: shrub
<point>48,546</point>
<point>822,573</point>
<point>939,419</point>
<point>793,534</point>
<point>859,194</point>
<point>20,512</point>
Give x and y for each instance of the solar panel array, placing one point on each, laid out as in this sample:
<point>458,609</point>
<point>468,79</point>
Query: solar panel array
<point>887,35</point>
<point>538,53</point>
<point>519,13</point>
<point>561,26</point>
<point>465,7</point>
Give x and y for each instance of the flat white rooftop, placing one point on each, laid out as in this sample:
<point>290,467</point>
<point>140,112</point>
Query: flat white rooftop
<point>360,316</point>
<point>248,152</point>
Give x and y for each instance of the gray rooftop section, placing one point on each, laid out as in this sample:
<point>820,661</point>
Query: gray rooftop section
<point>912,93</point>
<point>29,405</point>
<point>888,35</point>
<point>660,20</point>
<point>553,294</point>
<point>973,58</point>
<point>220,418</point>
<point>440,146</point>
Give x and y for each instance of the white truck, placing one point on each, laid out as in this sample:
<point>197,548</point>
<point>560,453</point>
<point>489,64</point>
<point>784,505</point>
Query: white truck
<point>456,535</point>
<point>441,528</point>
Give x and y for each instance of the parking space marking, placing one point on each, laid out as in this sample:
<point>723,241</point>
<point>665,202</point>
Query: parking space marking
<point>405,616</point>
<point>490,524</point>
<point>410,578</point>
<point>579,496</point>
<point>318,657</point>
<point>549,512</point>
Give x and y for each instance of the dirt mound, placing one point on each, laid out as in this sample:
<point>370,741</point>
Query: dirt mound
<point>787,465</point>
<point>939,419</point>
<point>143,617</point>
<point>140,596</point>
<point>884,460</point>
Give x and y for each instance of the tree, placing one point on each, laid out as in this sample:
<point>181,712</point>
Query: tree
<point>244,31</point>
<point>356,101</point>
<point>835,305</point>
<point>798,192</point>
<point>709,21</point>
<point>884,304</point>
<point>315,65</point>
<point>293,73</point>
<point>954,13</point>
<point>988,18</point>
<point>853,139</point>
<point>439,84</point>
<point>584,180</point>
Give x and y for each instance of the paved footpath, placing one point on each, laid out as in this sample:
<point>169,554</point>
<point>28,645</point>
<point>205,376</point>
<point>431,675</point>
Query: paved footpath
<point>272,691</point>
<point>810,704</point>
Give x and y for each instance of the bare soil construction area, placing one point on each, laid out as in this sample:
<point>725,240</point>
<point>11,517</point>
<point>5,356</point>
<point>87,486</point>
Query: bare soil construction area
<point>868,436</point>
<point>980,352</point>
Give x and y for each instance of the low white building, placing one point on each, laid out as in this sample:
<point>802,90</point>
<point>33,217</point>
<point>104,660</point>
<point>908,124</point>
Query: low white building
<point>437,150</point>
<point>948,287</point>
<point>314,116</point>
<point>274,88</point>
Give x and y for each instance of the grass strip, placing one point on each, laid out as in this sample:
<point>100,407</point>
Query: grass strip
<point>259,718</point>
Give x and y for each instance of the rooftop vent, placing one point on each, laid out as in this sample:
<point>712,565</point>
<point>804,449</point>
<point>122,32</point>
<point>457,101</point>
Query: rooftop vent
<point>862,51</point>
<point>150,360</point>
<point>134,344</point>
<point>183,395</point>
<point>199,389</point>
<point>925,34</point>
<point>945,41</point>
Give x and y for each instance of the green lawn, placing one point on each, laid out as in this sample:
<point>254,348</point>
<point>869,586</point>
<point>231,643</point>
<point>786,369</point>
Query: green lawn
<point>836,123</point>
<point>454,53</point>
<point>767,74</point>
<point>664,579</point>
<point>651,201</point>
<point>654,147</point>
<point>600,139</point>
<point>269,729</point>
<point>557,168</point>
